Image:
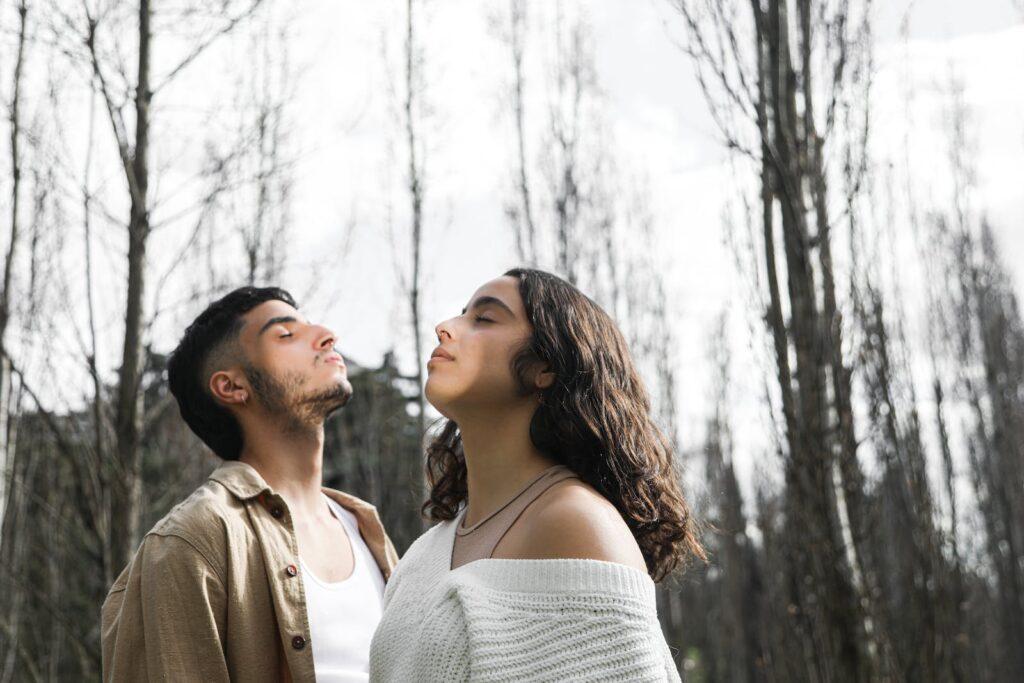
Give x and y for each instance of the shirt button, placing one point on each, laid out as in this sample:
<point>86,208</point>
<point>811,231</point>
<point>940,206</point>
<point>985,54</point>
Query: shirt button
<point>298,642</point>
<point>276,512</point>
<point>291,570</point>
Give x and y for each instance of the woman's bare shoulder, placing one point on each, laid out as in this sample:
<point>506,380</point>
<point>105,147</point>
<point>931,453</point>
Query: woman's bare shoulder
<point>571,520</point>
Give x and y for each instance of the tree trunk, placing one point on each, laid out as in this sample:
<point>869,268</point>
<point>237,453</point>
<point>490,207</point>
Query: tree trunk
<point>416,201</point>
<point>126,480</point>
<point>9,259</point>
<point>825,587</point>
<point>525,227</point>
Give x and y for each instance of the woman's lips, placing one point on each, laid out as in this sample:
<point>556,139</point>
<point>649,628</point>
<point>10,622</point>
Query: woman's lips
<point>440,354</point>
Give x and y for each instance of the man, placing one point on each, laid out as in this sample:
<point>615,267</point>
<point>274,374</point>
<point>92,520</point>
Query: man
<point>260,574</point>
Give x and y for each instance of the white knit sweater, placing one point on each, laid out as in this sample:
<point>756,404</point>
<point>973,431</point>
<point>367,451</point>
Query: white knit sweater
<point>516,620</point>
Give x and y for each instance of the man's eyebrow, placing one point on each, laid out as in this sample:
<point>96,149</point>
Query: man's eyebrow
<point>487,300</point>
<point>276,321</point>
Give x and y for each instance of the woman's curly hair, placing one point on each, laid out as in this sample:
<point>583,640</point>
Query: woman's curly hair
<point>594,418</point>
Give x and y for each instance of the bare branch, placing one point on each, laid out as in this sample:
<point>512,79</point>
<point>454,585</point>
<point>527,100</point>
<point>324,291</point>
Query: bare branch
<point>203,45</point>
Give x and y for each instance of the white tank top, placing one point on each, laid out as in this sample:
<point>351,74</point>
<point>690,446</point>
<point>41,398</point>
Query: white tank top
<point>343,615</point>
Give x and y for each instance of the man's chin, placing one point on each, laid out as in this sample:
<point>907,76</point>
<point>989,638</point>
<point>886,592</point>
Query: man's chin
<point>344,394</point>
<point>329,400</point>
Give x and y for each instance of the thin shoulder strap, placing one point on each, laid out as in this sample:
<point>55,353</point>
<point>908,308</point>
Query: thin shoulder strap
<point>479,541</point>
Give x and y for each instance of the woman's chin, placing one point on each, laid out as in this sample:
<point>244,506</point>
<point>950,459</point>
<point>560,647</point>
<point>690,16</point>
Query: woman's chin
<point>436,396</point>
<point>433,393</point>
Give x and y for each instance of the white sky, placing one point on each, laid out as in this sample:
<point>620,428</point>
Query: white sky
<point>658,118</point>
<point>663,130</point>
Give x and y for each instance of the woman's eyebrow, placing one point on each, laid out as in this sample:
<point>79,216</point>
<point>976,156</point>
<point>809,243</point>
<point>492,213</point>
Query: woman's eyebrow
<point>487,300</point>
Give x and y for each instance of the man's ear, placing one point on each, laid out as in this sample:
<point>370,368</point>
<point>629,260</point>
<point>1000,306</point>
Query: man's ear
<point>229,387</point>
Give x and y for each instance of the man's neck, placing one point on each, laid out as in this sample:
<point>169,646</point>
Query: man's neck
<point>290,460</point>
<point>500,459</point>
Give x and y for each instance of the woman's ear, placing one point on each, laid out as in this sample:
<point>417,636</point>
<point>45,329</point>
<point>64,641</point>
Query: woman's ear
<point>544,379</point>
<point>228,387</point>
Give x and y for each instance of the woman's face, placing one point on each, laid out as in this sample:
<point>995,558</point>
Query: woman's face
<point>470,370</point>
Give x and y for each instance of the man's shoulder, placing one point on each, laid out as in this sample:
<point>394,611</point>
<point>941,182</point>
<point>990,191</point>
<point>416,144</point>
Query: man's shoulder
<point>208,522</point>
<point>207,519</point>
<point>350,502</point>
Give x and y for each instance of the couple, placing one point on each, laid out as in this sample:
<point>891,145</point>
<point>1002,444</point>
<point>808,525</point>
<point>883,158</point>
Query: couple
<point>554,494</point>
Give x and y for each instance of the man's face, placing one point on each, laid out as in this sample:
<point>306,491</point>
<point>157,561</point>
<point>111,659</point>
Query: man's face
<point>292,364</point>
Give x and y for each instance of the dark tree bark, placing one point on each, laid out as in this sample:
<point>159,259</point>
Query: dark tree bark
<point>13,239</point>
<point>775,98</point>
<point>126,489</point>
<point>416,192</point>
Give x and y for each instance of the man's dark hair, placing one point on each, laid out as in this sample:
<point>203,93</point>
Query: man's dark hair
<point>212,339</point>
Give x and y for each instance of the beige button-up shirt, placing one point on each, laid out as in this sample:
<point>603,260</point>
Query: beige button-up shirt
<point>213,592</point>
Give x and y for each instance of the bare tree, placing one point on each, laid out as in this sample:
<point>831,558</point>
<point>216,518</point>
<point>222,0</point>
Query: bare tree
<point>992,340</point>
<point>128,100</point>
<point>39,240</point>
<point>986,338</point>
<point>908,557</point>
<point>519,209</point>
<point>250,172</point>
<point>966,592</point>
<point>557,202</point>
<point>133,149</point>
<point>13,240</point>
<point>416,187</point>
<point>737,653</point>
<point>411,112</point>
<point>759,69</point>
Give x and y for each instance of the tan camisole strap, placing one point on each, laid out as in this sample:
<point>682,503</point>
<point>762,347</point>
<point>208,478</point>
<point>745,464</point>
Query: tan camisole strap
<point>479,541</point>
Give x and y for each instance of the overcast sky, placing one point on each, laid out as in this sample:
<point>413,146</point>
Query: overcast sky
<point>661,125</point>
<point>659,121</point>
<point>341,130</point>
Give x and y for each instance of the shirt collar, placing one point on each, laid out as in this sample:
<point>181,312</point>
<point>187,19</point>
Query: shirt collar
<point>350,502</point>
<point>245,482</point>
<point>241,479</point>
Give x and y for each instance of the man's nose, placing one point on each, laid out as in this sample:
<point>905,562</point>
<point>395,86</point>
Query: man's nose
<point>326,338</point>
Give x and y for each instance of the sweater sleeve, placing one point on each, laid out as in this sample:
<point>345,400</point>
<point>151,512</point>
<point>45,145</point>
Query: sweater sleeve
<point>560,635</point>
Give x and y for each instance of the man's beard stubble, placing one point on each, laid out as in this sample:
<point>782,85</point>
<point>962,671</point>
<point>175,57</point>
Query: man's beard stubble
<point>283,397</point>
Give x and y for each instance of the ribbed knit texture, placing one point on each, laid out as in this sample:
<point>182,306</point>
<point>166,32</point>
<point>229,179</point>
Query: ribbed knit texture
<point>516,620</point>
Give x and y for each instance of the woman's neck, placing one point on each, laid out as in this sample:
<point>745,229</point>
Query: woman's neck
<point>500,459</point>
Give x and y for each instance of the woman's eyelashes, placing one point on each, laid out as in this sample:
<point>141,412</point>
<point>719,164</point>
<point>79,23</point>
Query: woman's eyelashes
<point>481,319</point>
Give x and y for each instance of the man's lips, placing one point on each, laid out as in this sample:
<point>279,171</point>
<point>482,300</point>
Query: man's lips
<point>334,359</point>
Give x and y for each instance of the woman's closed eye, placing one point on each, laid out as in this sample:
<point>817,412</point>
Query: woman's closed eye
<point>481,319</point>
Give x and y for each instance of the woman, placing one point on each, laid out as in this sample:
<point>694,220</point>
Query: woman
<point>556,496</point>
